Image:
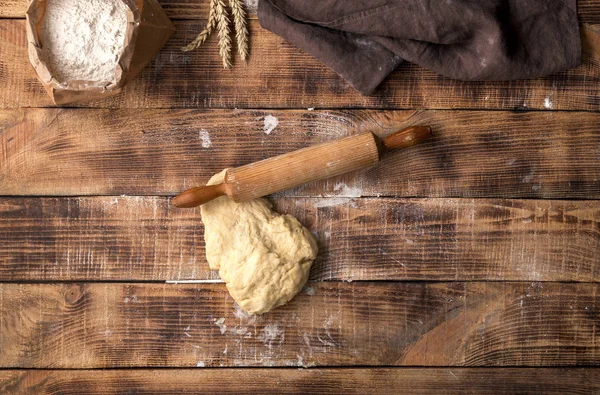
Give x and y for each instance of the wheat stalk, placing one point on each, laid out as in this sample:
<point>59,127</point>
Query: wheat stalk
<point>241,30</point>
<point>223,33</point>
<point>203,35</point>
<point>218,17</point>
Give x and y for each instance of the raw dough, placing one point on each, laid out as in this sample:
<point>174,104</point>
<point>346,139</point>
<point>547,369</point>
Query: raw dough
<point>263,257</point>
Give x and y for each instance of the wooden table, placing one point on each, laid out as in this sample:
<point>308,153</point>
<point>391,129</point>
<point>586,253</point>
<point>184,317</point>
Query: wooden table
<point>468,264</point>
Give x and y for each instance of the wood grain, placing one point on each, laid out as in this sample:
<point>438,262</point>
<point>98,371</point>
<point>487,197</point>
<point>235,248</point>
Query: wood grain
<point>590,38</point>
<point>156,152</point>
<point>589,10</point>
<point>329,324</point>
<point>280,75</point>
<point>297,168</point>
<point>146,239</point>
<point>457,381</point>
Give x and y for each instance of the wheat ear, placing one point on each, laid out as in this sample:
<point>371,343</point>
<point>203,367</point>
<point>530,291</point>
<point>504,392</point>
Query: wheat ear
<point>241,29</point>
<point>223,32</point>
<point>203,35</point>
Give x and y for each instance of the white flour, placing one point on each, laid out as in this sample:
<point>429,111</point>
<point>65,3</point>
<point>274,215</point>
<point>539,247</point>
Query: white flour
<point>83,39</point>
<point>270,124</point>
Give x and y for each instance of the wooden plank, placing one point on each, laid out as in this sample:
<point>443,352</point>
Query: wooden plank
<point>590,37</point>
<point>280,75</point>
<point>144,238</point>
<point>100,325</point>
<point>155,152</point>
<point>589,10</point>
<point>303,381</point>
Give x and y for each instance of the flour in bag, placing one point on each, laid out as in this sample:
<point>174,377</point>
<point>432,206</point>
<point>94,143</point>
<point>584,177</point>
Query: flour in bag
<point>82,40</point>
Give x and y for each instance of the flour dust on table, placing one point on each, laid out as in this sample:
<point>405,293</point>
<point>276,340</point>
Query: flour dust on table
<point>263,257</point>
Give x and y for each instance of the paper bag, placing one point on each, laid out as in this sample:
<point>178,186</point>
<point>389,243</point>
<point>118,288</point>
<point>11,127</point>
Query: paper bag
<point>148,29</point>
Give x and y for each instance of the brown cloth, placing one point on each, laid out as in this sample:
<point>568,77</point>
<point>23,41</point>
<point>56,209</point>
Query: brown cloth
<point>364,41</point>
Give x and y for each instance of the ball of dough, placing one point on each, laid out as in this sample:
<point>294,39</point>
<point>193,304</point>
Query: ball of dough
<point>263,257</point>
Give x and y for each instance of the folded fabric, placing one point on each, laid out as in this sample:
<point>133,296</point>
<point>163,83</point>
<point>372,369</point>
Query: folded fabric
<point>364,41</point>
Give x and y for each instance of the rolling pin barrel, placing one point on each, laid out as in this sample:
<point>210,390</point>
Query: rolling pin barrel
<point>299,167</point>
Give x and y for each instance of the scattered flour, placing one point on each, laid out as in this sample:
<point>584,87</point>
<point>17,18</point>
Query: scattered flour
<point>270,334</point>
<point>330,202</point>
<point>345,196</point>
<point>309,290</point>
<point>529,177</point>
<point>347,191</point>
<point>82,40</point>
<point>132,299</point>
<point>205,136</point>
<point>548,103</point>
<point>221,324</point>
<point>243,315</point>
<point>270,124</point>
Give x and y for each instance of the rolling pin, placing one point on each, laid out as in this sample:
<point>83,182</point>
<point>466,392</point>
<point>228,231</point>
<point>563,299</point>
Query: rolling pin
<point>305,165</point>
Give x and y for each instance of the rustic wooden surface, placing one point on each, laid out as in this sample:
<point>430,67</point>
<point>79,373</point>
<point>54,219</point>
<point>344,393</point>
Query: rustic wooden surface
<point>162,152</point>
<point>589,10</point>
<point>360,381</point>
<point>468,264</point>
<point>91,325</point>
<point>281,76</point>
<point>146,239</point>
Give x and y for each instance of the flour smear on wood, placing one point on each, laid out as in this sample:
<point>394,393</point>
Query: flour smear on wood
<point>271,123</point>
<point>82,40</point>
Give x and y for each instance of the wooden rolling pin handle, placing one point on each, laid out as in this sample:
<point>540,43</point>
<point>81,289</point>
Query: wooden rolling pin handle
<point>405,138</point>
<point>200,195</point>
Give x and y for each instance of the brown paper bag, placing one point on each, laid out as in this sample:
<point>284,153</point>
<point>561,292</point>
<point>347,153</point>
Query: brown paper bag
<point>148,29</point>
